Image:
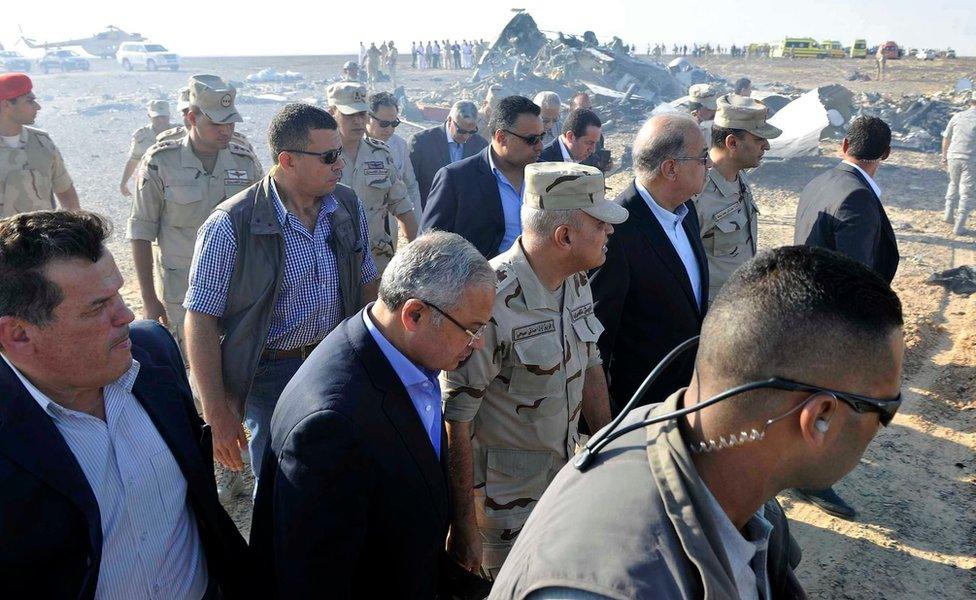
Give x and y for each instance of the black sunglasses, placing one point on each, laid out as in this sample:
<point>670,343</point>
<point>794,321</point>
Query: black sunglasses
<point>531,140</point>
<point>886,409</point>
<point>461,131</point>
<point>328,158</point>
<point>394,124</point>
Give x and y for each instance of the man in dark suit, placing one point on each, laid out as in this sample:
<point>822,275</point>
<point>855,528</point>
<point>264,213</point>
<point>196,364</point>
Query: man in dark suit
<point>353,498</point>
<point>578,140</point>
<point>480,198</point>
<point>437,147</point>
<point>841,210</point>
<point>652,292</point>
<point>108,487</point>
<point>599,159</point>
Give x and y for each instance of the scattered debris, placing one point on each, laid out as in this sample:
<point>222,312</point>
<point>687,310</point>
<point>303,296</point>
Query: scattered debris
<point>917,121</point>
<point>272,76</point>
<point>960,280</point>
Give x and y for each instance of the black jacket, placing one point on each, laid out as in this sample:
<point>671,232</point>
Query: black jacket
<point>50,525</point>
<point>643,297</point>
<point>552,152</point>
<point>429,152</point>
<point>839,210</point>
<point>465,200</point>
<point>352,501</point>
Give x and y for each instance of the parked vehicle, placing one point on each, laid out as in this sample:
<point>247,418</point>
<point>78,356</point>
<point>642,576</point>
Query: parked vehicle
<point>834,49</point>
<point>925,55</point>
<point>859,49</point>
<point>948,53</point>
<point>798,48</point>
<point>891,51</point>
<point>12,61</point>
<point>147,55</point>
<point>63,60</point>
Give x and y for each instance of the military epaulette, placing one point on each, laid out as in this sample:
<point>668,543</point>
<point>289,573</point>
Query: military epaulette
<point>241,139</point>
<point>581,278</point>
<point>171,133</point>
<point>39,132</point>
<point>376,143</point>
<point>506,277</point>
<point>236,147</point>
<point>162,147</point>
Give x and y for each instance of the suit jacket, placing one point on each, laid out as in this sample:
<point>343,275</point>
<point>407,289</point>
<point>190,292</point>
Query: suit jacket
<point>429,152</point>
<point>552,152</point>
<point>839,210</point>
<point>465,200</point>
<point>644,299</point>
<point>352,500</point>
<point>49,518</point>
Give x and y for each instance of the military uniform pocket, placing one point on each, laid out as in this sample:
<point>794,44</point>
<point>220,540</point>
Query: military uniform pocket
<point>730,233</point>
<point>515,482</point>
<point>184,206</point>
<point>538,372</point>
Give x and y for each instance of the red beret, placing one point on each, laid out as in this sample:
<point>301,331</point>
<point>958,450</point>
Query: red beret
<point>13,85</point>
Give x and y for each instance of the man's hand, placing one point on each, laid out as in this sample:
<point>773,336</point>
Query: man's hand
<point>945,162</point>
<point>154,310</point>
<point>464,547</point>
<point>228,438</point>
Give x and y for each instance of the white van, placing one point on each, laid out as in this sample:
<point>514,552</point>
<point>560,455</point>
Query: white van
<point>149,56</point>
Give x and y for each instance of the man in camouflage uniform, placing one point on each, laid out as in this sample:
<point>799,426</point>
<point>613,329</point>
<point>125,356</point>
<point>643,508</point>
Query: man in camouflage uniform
<point>513,408</point>
<point>702,106</point>
<point>32,172</point>
<point>371,172</point>
<point>143,138</point>
<point>178,183</point>
<point>726,209</point>
<point>177,133</point>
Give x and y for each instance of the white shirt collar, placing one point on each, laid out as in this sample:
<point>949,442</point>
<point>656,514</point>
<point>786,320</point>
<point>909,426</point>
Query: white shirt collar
<point>567,157</point>
<point>870,180</point>
<point>447,130</point>
<point>663,215</point>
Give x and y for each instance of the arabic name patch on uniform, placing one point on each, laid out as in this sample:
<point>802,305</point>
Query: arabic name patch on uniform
<point>535,329</point>
<point>728,210</point>
<point>578,313</point>
<point>375,167</point>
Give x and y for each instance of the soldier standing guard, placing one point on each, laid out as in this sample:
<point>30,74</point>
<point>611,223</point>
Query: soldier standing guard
<point>178,183</point>
<point>726,209</point>
<point>371,172</point>
<point>32,172</point>
<point>177,133</point>
<point>513,408</point>
<point>143,138</point>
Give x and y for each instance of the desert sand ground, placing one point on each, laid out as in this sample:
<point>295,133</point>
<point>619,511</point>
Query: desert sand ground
<point>915,536</point>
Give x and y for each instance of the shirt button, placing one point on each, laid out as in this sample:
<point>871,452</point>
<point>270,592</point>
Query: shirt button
<point>427,408</point>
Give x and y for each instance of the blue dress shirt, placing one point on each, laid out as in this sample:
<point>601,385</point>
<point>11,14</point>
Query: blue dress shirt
<point>671,222</point>
<point>421,384</point>
<point>456,150</point>
<point>511,206</point>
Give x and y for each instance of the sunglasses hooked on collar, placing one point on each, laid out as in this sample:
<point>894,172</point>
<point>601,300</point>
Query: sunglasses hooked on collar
<point>394,123</point>
<point>328,157</point>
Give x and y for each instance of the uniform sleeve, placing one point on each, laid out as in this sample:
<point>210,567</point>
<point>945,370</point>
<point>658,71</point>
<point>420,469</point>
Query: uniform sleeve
<point>147,205</point>
<point>397,199</point>
<point>369,271</point>
<point>463,389</point>
<point>60,180</point>
<point>410,180</point>
<point>949,127</point>
<point>214,256</point>
<point>137,147</point>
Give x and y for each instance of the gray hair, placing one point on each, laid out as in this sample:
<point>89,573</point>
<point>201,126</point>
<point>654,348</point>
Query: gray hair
<point>547,100</point>
<point>660,138</point>
<point>436,267</point>
<point>544,222</point>
<point>464,109</point>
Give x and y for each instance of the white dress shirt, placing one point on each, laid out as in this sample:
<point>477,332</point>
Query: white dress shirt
<point>671,222</point>
<point>871,182</point>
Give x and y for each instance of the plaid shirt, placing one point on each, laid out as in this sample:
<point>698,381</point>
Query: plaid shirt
<point>309,303</point>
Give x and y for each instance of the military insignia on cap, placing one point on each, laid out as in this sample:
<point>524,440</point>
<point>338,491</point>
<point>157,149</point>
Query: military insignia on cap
<point>226,101</point>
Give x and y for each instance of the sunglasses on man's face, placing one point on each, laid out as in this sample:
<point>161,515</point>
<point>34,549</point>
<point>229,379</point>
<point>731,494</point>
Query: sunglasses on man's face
<point>462,131</point>
<point>885,407</point>
<point>531,140</point>
<point>328,158</point>
<point>394,123</point>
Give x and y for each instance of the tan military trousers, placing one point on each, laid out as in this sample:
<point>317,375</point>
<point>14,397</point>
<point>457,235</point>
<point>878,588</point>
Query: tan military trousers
<point>961,190</point>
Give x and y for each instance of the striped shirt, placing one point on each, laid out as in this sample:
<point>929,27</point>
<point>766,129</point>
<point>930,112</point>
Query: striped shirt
<point>309,303</point>
<point>150,544</point>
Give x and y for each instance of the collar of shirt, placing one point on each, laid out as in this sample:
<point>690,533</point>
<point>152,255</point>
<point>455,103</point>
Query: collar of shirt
<point>871,182</point>
<point>567,157</point>
<point>723,185</point>
<point>328,206</point>
<point>499,175</point>
<point>746,550</point>
<point>535,294</point>
<point>55,410</point>
<point>669,220</point>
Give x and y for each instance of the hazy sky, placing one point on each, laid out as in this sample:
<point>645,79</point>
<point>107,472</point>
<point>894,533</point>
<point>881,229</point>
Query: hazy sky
<point>301,27</point>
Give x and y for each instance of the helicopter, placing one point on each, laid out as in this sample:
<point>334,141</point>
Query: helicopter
<point>103,44</point>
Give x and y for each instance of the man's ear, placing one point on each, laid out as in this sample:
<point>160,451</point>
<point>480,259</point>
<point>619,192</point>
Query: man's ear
<point>15,339</point>
<point>411,314</point>
<point>815,417</point>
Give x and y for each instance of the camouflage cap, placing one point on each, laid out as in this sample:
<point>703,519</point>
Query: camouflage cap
<point>158,108</point>
<point>740,112</point>
<point>215,98</point>
<point>704,94</point>
<point>347,96</point>
<point>183,99</point>
<point>565,186</point>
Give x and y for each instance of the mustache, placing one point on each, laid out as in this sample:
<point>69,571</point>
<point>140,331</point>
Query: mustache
<point>121,338</point>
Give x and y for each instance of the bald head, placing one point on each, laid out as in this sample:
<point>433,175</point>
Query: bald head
<point>660,138</point>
